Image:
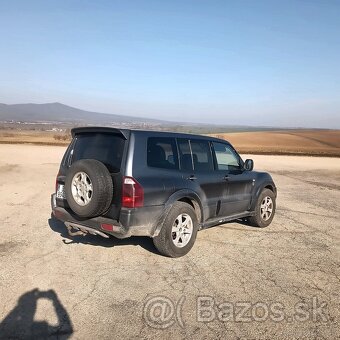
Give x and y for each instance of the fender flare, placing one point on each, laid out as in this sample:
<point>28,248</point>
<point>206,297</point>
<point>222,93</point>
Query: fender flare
<point>177,196</point>
<point>265,184</point>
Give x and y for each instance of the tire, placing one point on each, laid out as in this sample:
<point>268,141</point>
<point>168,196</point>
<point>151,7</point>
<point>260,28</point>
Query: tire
<point>164,241</point>
<point>259,219</point>
<point>95,181</point>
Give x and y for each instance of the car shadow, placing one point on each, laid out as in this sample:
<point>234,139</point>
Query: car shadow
<point>96,240</point>
<point>20,322</point>
<point>244,221</point>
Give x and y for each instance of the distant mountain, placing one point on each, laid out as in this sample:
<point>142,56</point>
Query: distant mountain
<point>57,112</point>
<point>67,116</point>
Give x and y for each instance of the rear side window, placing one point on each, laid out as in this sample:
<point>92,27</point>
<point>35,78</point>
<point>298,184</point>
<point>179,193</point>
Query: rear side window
<point>162,153</point>
<point>201,155</point>
<point>106,148</point>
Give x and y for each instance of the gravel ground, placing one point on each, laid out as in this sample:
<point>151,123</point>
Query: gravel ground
<point>282,282</point>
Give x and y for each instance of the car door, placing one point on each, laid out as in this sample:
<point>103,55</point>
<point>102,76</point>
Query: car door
<point>237,182</point>
<point>197,166</point>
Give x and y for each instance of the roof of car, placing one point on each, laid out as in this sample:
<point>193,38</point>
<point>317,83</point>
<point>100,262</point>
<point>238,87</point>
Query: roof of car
<point>126,132</point>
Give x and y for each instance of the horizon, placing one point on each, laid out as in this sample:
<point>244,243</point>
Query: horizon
<point>255,127</point>
<point>258,64</point>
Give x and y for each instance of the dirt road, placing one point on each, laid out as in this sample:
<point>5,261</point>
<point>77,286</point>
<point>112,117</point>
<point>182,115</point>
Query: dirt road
<point>274,283</point>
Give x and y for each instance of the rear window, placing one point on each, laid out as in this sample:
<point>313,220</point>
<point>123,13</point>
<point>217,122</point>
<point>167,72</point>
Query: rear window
<point>106,148</point>
<point>201,155</point>
<point>162,153</point>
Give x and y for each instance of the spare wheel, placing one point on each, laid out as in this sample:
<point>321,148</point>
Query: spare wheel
<point>88,188</point>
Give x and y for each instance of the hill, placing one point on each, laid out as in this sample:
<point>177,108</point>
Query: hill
<point>57,112</point>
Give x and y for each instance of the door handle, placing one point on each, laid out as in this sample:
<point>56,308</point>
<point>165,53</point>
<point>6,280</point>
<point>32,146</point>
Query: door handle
<point>192,177</point>
<point>226,177</point>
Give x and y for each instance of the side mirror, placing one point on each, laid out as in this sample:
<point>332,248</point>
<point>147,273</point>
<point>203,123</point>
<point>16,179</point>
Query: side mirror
<point>248,165</point>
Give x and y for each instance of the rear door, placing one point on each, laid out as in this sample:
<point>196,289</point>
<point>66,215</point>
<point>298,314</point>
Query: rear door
<point>197,166</point>
<point>237,183</point>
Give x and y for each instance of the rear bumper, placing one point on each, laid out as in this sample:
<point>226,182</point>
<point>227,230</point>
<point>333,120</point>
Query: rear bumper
<point>132,222</point>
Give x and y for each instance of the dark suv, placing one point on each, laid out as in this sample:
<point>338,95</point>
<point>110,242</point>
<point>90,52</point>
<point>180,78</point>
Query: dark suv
<point>158,184</point>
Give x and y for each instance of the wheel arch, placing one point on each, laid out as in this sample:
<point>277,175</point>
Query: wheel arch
<point>265,185</point>
<point>195,205</point>
<point>270,187</point>
<point>186,196</point>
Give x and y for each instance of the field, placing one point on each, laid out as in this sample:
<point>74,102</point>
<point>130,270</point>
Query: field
<point>283,142</point>
<point>37,137</point>
<point>298,142</point>
<point>56,286</point>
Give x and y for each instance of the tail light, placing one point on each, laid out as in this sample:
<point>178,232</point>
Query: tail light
<point>132,193</point>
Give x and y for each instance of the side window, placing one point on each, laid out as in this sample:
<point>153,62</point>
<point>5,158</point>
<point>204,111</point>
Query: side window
<point>184,154</point>
<point>162,153</point>
<point>226,157</point>
<point>201,155</point>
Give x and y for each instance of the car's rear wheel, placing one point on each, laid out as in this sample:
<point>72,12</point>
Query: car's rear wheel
<point>264,209</point>
<point>179,231</point>
<point>88,188</point>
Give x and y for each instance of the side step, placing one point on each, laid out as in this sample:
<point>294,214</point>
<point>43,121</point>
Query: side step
<point>82,230</point>
<point>216,221</point>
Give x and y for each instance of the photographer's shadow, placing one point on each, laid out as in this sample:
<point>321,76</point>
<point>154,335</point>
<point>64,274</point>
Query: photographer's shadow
<point>20,324</point>
<point>95,240</point>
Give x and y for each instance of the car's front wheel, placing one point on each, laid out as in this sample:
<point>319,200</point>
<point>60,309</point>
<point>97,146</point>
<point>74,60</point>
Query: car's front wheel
<point>264,209</point>
<point>179,230</point>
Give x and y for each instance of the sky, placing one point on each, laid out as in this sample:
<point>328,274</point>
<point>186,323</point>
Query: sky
<point>260,63</point>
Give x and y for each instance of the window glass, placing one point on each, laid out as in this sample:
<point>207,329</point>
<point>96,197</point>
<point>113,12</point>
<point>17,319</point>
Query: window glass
<point>106,148</point>
<point>201,155</point>
<point>226,157</point>
<point>162,153</point>
<point>185,154</point>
